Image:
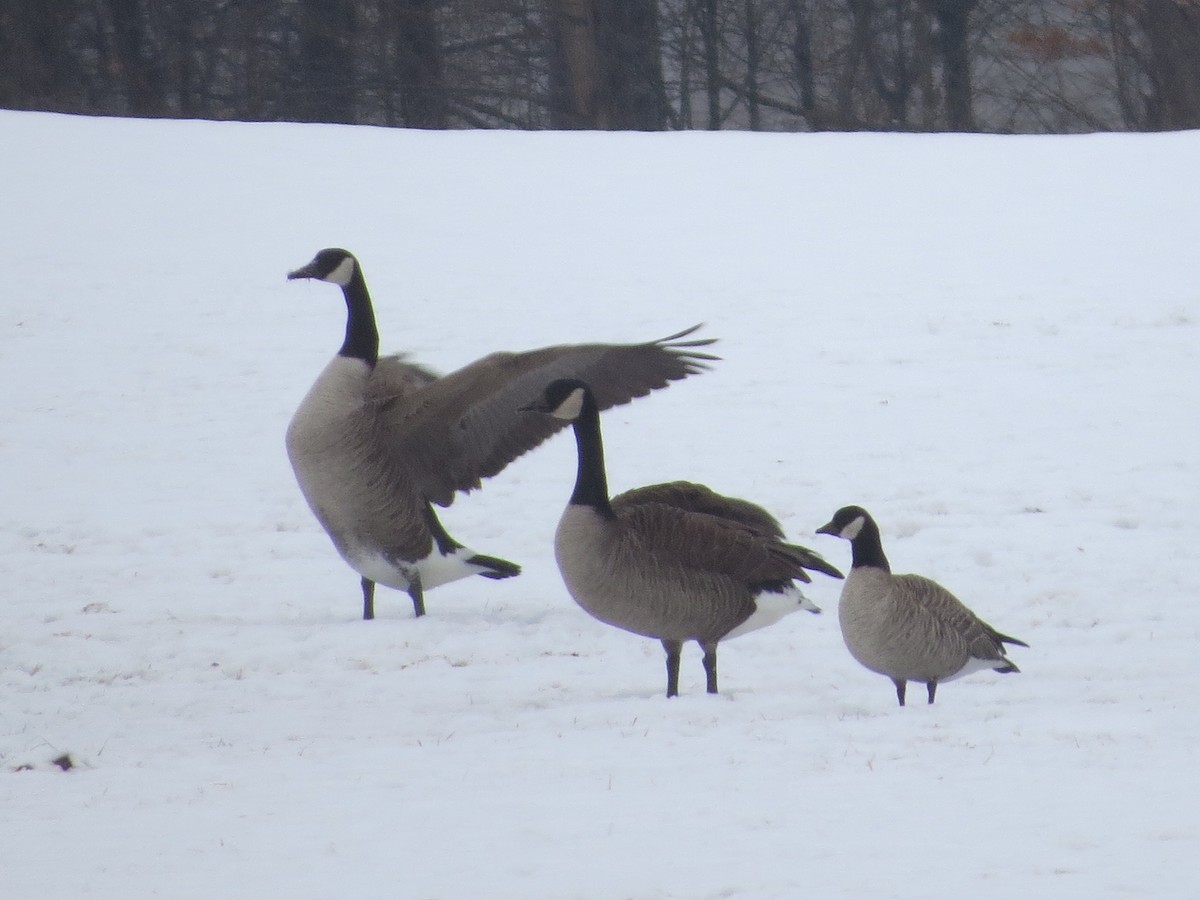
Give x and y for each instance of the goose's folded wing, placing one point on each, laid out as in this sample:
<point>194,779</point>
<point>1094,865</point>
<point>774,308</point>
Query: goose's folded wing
<point>950,619</point>
<point>691,497</point>
<point>467,426</point>
<point>686,496</point>
<point>701,542</point>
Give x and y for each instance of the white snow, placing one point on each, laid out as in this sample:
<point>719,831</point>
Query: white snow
<point>989,342</point>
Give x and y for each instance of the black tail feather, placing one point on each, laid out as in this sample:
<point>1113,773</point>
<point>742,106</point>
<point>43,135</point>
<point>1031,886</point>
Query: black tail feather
<point>810,559</point>
<point>1005,639</point>
<point>497,568</point>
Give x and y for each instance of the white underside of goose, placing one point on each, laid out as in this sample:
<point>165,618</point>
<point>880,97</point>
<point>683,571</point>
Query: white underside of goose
<point>434,569</point>
<point>974,664</point>
<point>770,607</point>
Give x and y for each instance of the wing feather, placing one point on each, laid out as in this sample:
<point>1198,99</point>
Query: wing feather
<point>950,620</point>
<point>700,541</point>
<point>700,498</point>
<point>455,431</point>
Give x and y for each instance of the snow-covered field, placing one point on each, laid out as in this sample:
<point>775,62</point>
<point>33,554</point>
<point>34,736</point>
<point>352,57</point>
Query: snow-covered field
<point>989,342</point>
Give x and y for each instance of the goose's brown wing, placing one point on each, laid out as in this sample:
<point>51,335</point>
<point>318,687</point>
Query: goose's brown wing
<point>699,498</point>
<point>702,542</point>
<point>460,429</point>
<point>950,620</point>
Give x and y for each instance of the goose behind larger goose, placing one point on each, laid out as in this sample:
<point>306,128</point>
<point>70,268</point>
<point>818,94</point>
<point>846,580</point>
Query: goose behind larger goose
<point>908,627</point>
<point>678,561</point>
<point>376,442</point>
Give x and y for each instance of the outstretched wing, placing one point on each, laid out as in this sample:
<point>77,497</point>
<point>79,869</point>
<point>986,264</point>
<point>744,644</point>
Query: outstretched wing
<point>465,427</point>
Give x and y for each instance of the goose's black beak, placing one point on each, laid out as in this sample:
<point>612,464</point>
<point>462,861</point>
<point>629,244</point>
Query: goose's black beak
<point>537,406</point>
<point>828,528</point>
<point>308,271</point>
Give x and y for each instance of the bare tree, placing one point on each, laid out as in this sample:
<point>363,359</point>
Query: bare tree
<point>579,94</point>
<point>710,36</point>
<point>325,71</point>
<point>952,34</point>
<point>134,51</point>
<point>37,66</point>
<point>1160,43</point>
<point>991,65</point>
<point>416,62</point>
<point>608,70</point>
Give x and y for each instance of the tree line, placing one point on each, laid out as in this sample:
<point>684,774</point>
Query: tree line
<point>784,65</point>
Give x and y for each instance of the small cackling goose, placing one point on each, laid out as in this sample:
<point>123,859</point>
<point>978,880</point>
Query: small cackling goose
<point>377,441</point>
<point>908,627</point>
<point>677,562</point>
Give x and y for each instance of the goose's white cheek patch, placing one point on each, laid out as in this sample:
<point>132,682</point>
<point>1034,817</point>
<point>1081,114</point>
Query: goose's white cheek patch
<point>571,407</point>
<point>343,273</point>
<point>850,532</point>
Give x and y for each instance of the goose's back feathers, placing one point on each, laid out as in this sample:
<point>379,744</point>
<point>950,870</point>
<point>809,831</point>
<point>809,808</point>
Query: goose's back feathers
<point>732,535</point>
<point>952,622</point>
<point>684,540</point>
<point>699,498</point>
<point>463,428</point>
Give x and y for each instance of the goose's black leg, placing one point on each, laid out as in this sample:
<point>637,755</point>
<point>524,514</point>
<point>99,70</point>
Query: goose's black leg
<point>710,664</point>
<point>673,649</point>
<point>931,686</point>
<point>368,589</point>
<point>417,594</point>
<point>901,684</point>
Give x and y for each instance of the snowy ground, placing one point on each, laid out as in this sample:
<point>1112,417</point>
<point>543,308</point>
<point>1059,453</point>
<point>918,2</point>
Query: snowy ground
<point>989,342</point>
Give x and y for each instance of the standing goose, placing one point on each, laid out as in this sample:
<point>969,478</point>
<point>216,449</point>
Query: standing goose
<point>908,627</point>
<point>377,441</point>
<point>677,562</point>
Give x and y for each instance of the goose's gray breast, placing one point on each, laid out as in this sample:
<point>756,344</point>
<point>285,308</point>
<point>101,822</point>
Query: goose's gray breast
<point>587,549</point>
<point>354,485</point>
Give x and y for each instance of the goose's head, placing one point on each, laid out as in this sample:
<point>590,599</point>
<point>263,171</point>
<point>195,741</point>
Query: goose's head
<point>846,523</point>
<point>332,264</point>
<point>564,398</point>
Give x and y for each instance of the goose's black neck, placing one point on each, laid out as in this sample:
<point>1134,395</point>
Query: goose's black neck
<point>867,548</point>
<point>591,482</point>
<point>362,336</point>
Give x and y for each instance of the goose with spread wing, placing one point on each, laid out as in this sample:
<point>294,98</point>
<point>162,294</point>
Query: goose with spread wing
<point>377,442</point>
